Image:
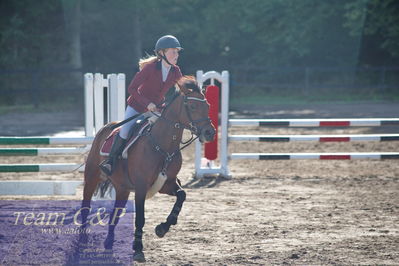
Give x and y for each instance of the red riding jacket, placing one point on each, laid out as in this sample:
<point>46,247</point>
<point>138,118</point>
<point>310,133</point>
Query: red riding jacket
<point>147,85</point>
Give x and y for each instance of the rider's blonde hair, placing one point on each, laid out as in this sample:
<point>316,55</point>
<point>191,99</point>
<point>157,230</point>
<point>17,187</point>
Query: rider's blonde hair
<point>149,59</point>
<point>146,60</point>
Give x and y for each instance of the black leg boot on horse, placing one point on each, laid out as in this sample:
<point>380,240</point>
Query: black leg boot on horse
<point>163,228</point>
<point>107,166</point>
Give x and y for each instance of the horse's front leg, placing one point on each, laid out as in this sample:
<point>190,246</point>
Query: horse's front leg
<point>140,194</point>
<point>180,194</point>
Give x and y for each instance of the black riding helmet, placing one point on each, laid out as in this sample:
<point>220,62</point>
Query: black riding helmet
<point>165,42</point>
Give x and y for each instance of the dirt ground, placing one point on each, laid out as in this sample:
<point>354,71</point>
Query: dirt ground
<point>302,212</point>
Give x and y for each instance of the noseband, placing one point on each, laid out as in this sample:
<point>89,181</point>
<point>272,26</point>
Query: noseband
<point>193,125</point>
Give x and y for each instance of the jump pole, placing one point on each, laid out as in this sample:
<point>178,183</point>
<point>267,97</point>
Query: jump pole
<point>51,167</point>
<point>41,151</point>
<point>319,138</point>
<point>316,156</point>
<point>46,140</point>
<point>357,122</point>
<point>39,187</point>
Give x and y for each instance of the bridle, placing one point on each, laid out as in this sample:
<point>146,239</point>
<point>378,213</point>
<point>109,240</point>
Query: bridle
<point>193,125</point>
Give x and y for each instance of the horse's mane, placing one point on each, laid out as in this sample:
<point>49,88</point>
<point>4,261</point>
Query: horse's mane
<point>188,83</point>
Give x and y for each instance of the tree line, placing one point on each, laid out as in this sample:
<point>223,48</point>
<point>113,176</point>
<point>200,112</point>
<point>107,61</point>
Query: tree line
<point>110,36</point>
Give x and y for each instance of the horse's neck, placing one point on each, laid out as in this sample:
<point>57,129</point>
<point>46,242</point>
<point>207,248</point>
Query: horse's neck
<point>167,135</point>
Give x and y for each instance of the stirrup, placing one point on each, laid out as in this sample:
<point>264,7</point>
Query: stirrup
<point>106,167</point>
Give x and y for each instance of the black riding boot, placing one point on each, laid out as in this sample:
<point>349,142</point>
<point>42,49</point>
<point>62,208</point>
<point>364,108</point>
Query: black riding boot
<point>117,147</point>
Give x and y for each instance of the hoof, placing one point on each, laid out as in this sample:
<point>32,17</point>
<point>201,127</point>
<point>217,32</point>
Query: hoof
<point>160,230</point>
<point>139,256</point>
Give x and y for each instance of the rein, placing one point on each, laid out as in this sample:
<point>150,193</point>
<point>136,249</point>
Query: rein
<point>192,127</point>
<point>168,156</point>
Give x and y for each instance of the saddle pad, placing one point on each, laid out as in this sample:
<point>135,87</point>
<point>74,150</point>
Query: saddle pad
<point>107,145</point>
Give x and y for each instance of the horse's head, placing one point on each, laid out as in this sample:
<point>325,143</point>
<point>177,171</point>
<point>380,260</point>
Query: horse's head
<point>195,115</point>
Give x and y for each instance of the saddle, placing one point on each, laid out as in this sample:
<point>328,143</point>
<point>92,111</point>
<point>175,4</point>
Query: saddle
<point>135,133</point>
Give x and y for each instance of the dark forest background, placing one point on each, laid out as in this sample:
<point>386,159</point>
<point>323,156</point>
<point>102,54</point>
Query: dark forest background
<point>275,50</point>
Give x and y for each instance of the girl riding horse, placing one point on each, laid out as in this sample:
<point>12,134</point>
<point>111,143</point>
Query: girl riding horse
<point>155,154</point>
<point>147,90</point>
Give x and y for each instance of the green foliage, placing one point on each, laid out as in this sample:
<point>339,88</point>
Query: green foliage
<point>384,19</point>
<point>375,18</point>
<point>32,34</point>
<point>223,34</point>
<point>215,33</point>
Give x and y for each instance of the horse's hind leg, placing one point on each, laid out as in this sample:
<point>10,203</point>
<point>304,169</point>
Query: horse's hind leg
<point>171,188</point>
<point>117,212</point>
<point>140,194</point>
<point>92,179</point>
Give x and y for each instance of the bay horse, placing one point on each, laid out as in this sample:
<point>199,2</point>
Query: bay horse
<point>157,151</point>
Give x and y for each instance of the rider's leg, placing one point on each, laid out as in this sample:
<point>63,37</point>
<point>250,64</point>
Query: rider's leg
<point>124,132</point>
<point>119,143</point>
